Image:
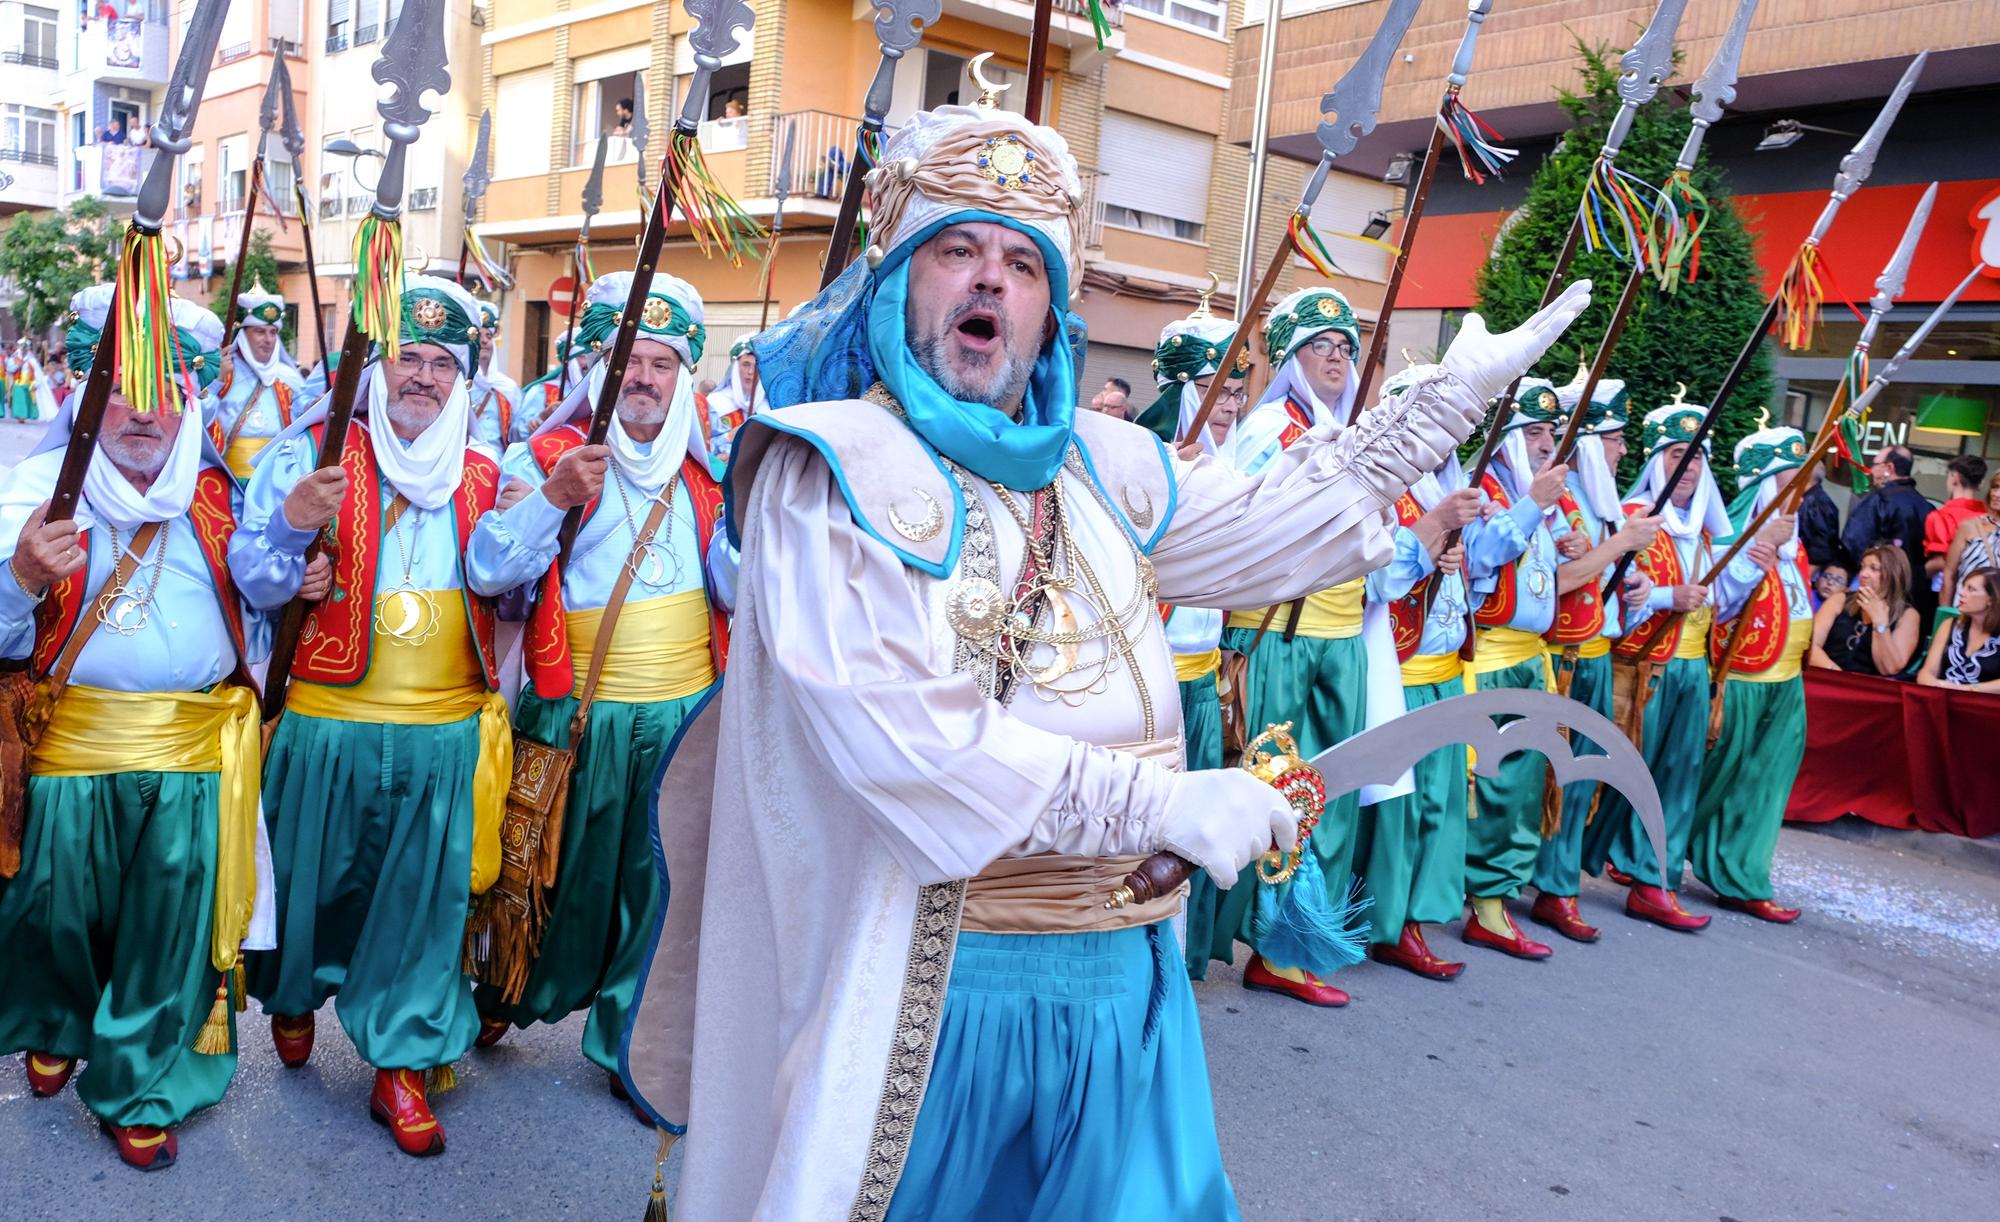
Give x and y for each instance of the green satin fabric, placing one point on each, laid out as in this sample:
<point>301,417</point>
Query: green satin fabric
<point>1411,849</point>
<point>371,843</point>
<point>106,937</point>
<point>1503,830</point>
<point>1321,687</point>
<point>1559,865</point>
<point>1745,783</point>
<point>1675,737</point>
<point>1201,726</point>
<point>607,893</point>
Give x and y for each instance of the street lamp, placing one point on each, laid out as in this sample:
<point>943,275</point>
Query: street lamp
<point>356,155</point>
<point>1784,133</point>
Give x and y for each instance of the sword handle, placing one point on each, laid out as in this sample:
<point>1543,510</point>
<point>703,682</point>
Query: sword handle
<point>1160,875</point>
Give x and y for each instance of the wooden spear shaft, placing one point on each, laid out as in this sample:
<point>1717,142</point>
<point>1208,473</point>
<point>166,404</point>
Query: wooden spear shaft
<point>1378,344</point>
<point>1246,319</point>
<point>243,249</point>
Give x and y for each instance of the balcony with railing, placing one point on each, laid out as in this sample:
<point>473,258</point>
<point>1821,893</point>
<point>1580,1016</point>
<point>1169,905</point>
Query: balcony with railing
<point>27,180</point>
<point>28,58</point>
<point>128,51</point>
<point>111,172</point>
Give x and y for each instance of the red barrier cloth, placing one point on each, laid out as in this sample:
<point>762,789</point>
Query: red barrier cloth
<point>1899,755</point>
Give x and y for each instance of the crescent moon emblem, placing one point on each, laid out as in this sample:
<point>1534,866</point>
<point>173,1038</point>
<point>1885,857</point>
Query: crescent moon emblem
<point>405,602</point>
<point>1066,653</point>
<point>122,610</point>
<point>921,531</point>
<point>1141,515</point>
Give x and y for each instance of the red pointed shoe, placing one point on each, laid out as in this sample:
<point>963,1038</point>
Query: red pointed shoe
<point>491,1031</point>
<point>1645,902</point>
<point>1763,910</point>
<point>1618,876</point>
<point>47,1075</point>
<point>1312,990</point>
<point>1412,955</point>
<point>1517,944</point>
<point>1559,912</point>
<point>293,1037</point>
<point>145,1146</point>
<point>398,1105</point>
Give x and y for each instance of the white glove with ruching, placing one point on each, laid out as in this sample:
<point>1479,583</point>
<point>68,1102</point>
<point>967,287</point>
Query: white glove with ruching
<point>1489,363</point>
<point>1223,819</point>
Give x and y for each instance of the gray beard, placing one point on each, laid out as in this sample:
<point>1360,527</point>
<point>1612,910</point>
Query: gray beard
<point>413,416</point>
<point>1005,383</point>
<point>127,458</point>
<point>641,410</point>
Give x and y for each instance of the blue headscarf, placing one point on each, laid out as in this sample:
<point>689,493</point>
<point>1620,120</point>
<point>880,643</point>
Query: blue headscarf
<point>853,335</point>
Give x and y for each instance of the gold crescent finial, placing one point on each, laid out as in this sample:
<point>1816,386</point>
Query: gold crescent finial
<point>1680,394</point>
<point>1763,418</point>
<point>989,93</point>
<point>1201,310</point>
<point>180,249</point>
<point>418,262</point>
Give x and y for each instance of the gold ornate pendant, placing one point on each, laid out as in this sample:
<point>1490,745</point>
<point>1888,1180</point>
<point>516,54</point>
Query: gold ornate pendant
<point>975,609</point>
<point>407,617</point>
<point>924,529</point>
<point>127,612</point>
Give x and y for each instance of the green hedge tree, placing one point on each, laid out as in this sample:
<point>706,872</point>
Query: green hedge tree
<point>51,256</point>
<point>1691,335</point>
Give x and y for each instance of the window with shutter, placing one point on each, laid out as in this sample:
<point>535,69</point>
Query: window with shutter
<point>1155,176</point>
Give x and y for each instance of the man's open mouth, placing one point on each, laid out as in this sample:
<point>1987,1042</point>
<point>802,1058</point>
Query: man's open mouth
<point>979,328</point>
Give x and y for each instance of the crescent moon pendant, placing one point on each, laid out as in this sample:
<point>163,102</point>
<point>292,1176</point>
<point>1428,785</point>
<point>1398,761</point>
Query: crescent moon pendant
<point>1066,652</point>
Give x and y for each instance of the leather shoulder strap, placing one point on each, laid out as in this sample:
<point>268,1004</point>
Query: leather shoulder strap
<point>127,565</point>
<point>612,606</point>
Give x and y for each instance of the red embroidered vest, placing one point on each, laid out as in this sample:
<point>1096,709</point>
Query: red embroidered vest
<point>545,650</point>
<point>1579,613</point>
<point>214,515</point>
<point>1498,609</point>
<point>1768,614</point>
<point>335,643</point>
<point>505,409</point>
<point>283,392</point>
<point>1656,639</point>
<point>1406,614</point>
<point>1296,427</point>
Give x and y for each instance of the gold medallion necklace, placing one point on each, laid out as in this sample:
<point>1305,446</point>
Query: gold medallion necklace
<point>406,615</point>
<point>129,608</point>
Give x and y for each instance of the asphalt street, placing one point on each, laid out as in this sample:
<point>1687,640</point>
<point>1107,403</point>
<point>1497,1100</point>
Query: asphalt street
<point>1844,1067</point>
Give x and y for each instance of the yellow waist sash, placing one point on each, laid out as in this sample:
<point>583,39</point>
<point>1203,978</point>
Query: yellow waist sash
<point>1694,634</point>
<point>659,649</point>
<point>241,452</point>
<point>1595,647</point>
<point>1501,648</point>
<point>1427,668</point>
<point>96,731</point>
<point>1329,615</point>
<point>1791,660</point>
<point>435,683</point>
<point>1191,666</point>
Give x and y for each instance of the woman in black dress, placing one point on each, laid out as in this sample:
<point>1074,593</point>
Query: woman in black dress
<point>1968,655</point>
<point>1871,630</point>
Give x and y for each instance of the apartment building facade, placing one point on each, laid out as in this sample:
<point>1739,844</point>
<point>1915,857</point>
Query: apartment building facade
<point>1142,115</point>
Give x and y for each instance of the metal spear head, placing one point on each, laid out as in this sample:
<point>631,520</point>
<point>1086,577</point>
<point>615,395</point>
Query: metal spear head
<point>1646,65</point>
<point>783,187</point>
<point>717,24</point>
<point>640,132</point>
<point>1887,373</point>
<point>479,171</point>
<point>274,91</point>
<point>412,63</point>
<point>1356,99</point>
<point>289,133</point>
<point>173,131</point>
<point>1889,285</point>
<point>593,186</point>
<point>1860,161</point>
<point>1717,86</point>
<point>899,27</point>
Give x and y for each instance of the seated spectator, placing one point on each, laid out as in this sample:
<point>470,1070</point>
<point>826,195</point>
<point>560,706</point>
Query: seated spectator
<point>1967,655</point>
<point>1873,629</point>
<point>1893,513</point>
<point>1974,546</point>
<point>1961,490</point>
<point>1829,581</point>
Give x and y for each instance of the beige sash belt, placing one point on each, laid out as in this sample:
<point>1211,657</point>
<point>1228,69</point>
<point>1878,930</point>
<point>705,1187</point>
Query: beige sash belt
<point>1062,892</point>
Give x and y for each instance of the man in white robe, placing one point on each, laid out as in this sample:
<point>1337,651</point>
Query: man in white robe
<point>908,998</point>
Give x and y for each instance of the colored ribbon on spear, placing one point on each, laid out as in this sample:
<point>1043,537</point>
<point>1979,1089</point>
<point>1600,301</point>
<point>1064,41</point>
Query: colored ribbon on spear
<point>1354,102</point>
<point>136,346</point>
<point>1854,171</point>
<point>1622,213</point>
<point>899,27</point>
<point>1715,89</point>
<point>717,25</point>
<point>1477,158</point>
<point>412,63</point>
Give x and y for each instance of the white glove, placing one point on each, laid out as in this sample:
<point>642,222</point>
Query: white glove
<point>1489,363</point>
<point>1223,819</point>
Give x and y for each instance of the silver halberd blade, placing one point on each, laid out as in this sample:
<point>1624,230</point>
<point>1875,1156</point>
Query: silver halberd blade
<point>1355,101</point>
<point>173,131</point>
<point>899,27</point>
<point>1716,87</point>
<point>479,171</point>
<point>717,24</point>
<point>412,64</point>
<point>1646,65</point>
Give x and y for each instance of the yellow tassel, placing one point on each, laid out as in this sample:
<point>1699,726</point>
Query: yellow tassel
<point>242,990</point>
<point>439,1079</point>
<point>213,1038</point>
<point>656,1206</point>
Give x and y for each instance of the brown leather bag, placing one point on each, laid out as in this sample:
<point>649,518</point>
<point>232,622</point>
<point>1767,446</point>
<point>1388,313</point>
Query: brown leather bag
<point>28,704</point>
<point>515,910</point>
<point>1232,682</point>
